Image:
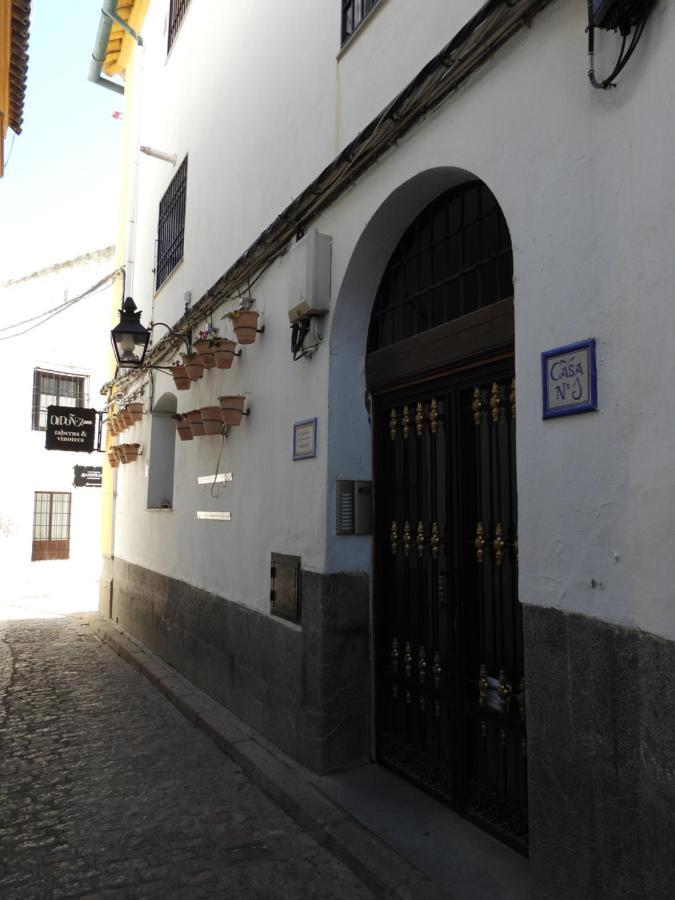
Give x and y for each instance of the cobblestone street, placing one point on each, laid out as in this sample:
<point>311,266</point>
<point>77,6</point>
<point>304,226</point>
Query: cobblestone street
<point>107,791</point>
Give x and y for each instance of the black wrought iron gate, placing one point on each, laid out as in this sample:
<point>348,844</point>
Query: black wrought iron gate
<point>449,672</point>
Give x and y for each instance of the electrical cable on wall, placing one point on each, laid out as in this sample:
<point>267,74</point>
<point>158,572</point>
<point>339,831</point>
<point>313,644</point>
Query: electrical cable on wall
<point>629,18</point>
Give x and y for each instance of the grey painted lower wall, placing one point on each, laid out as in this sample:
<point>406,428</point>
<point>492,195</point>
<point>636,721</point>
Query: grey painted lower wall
<point>601,751</point>
<point>306,688</point>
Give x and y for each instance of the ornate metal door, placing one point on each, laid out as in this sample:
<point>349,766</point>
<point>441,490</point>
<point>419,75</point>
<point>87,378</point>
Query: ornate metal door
<point>450,688</point>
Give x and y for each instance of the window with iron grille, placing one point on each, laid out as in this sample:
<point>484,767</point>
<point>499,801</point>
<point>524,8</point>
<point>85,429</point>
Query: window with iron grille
<point>55,389</point>
<point>51,525</point>
<point>353,13</point>
<point>455,258</point>
<point>171,227</point>
<point>177,10</point>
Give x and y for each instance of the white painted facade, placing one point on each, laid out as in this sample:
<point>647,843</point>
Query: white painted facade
<point>261,100</point>
<point>73,342</point>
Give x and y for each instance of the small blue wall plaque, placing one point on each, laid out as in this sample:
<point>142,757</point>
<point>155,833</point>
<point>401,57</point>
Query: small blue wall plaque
<point>569,379</point>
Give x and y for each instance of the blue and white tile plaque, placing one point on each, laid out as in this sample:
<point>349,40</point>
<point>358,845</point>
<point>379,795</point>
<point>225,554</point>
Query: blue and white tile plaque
<point>569,379</point>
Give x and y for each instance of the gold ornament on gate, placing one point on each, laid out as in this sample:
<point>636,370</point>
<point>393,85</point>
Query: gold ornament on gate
<point>422,664</point>
<point>477,405</point>
<point>393,538</point>
<point>433,417</point>
<point>479,543</point>
<point>495,402</point>
<point>392,424</point>
<point>420,539</point>
<point>405,422</point>
<point>406,538</point>
<point>499,544</point>
<point>483,685</point>
<point>419,420</point>
<point>435,540</point>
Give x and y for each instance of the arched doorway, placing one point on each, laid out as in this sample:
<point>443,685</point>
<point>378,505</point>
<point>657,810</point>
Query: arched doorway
<point>450,691</point>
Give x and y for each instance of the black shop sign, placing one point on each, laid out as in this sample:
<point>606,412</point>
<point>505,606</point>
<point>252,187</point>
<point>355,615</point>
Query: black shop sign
<point>87,476</point>
<point>70,428</point>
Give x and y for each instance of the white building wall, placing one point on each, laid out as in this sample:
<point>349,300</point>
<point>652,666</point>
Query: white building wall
<point>73,342</point>
<point>585,189</point>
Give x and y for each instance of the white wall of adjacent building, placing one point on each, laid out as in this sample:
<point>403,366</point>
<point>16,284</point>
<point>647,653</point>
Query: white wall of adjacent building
<point>261,103</point>
<point>73,343</point>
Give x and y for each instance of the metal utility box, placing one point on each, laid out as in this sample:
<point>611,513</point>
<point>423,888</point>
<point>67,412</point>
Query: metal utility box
<point>309,293</point>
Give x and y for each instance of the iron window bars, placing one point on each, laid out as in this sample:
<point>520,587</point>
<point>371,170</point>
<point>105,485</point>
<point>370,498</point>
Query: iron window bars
<point>455,258</point>
<point>353,14</point>
<point>171,226</point>
<point>51,525</point>
<point>55,389</point>
<point>177,10</point>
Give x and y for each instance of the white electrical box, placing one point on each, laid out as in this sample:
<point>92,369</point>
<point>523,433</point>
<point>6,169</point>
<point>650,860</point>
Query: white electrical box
<point>310,276</point>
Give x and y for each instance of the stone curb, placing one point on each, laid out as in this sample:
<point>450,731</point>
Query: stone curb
<point>380,867</point>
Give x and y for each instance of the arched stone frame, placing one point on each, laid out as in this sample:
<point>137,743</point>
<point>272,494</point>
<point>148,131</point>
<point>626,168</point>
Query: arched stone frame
<point>349,438</point>
<point>349,443</point>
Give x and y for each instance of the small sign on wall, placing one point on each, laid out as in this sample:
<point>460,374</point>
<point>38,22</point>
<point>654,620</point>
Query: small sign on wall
<point>569,379</point>
<point>304,439</point>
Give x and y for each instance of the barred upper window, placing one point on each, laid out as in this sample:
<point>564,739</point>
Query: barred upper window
<point>353,13</point>
<point>171,227</point>
<point>177,10</point>
<point>55,389</point>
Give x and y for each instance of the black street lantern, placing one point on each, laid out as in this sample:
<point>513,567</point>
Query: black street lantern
<point>130,338</point>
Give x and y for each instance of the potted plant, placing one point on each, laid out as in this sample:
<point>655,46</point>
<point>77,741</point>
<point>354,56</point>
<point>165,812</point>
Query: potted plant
<point>180,376</point>
<point>232,409</point>
<point>224,350</point>
<point>120,453</point>
<point>213,424</point>
<point>127,418</point>
<point>136,411</point>
<point>204,348</point>
<point>113,461</point>
<point>183,428</point>
<point>196,424</point>
<point>131,452</point>
<point>193,367</point>
<point>245,324</point>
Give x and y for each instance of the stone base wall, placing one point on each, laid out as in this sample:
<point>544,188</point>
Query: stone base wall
<point>601,750</point>
<point>306,688</point>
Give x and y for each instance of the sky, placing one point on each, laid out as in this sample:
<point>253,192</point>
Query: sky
<point>58,197</point>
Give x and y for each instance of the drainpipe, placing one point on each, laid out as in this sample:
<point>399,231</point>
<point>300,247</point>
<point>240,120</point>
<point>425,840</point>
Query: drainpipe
<point>105,23</point>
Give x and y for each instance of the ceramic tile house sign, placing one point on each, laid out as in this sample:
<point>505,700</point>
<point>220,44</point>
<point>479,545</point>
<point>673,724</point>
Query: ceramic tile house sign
<point>70,428</point>
<point>569,379</point>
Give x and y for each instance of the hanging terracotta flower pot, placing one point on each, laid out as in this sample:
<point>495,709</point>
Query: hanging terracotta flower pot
<point>195,420</point>
<point>131,452</point>
<point>121,453</point>
<point>136,411</point>
<point>127,418</point>
<point>231,409</point>
<point>180,378</point>
<point>193,367</point>
<point>205,353</point>
<point>213,424</point>
<point>183,428</point>
<point>245,324</point>
<point>224,350</point>
<point>111,426</point>
<point>113,461</point>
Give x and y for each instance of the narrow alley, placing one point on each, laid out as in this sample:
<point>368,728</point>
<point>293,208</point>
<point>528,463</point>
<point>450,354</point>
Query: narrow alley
<point>107,790</point>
